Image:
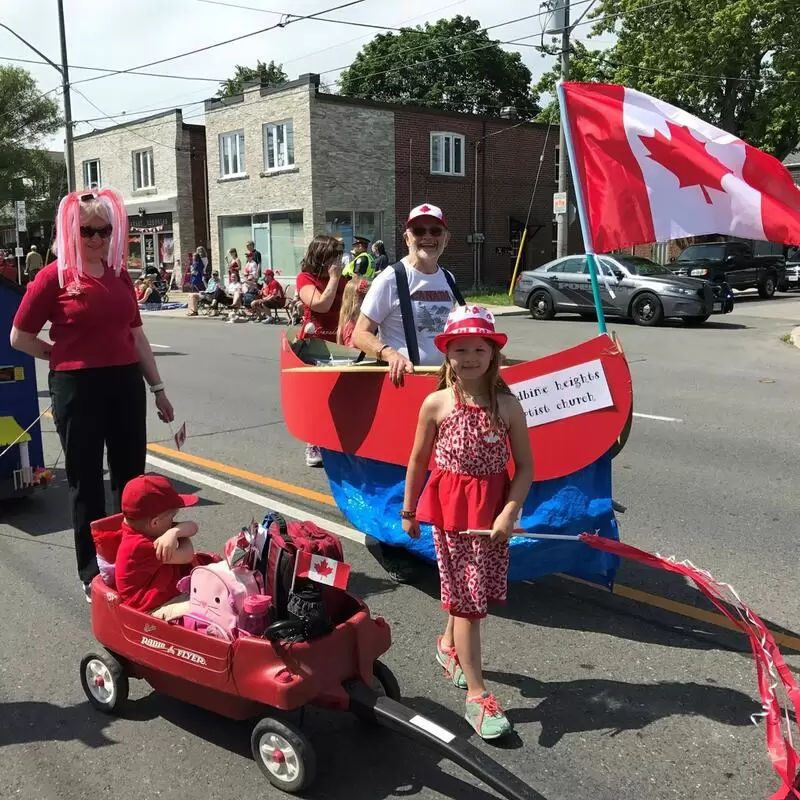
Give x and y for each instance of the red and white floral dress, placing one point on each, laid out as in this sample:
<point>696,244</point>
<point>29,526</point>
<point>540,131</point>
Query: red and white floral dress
<point>467,489</point>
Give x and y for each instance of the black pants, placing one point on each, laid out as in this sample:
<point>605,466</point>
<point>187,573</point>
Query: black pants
<point>93,408</point>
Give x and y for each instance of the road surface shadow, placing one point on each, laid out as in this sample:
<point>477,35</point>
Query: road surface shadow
<point>586,609</point>
<point>343,745</point>
<point>581,706</point>
<point>29,721</point>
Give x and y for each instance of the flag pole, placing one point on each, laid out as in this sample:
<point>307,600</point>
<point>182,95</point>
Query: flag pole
<point>582,216</point>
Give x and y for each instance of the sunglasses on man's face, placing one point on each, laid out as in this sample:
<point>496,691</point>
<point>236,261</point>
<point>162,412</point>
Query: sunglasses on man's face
<point>421,230</point>
<point>87,231</point>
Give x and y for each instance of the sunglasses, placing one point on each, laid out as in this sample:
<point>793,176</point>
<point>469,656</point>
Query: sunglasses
<point>421,230</point>
<point>87,231</point>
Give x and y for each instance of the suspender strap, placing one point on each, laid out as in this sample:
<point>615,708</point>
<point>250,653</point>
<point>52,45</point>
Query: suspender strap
<point>407,312</point>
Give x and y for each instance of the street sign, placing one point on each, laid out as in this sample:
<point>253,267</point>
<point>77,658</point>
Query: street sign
<point>22,224</point>
<point>19,252</point>
<point>559,202</point>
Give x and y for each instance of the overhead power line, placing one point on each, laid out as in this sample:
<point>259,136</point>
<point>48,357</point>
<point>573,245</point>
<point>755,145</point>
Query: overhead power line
<point>281,24</point>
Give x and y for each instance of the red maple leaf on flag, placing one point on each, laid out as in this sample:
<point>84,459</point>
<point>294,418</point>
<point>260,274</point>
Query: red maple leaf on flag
<point>322,568</point>
<point>687,159</point>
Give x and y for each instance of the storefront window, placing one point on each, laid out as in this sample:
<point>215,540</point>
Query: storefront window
<point>134,252</point>
<point>233,232</point>
<point>367,223</point>
<point>287,242</point>
<point>340,223</point>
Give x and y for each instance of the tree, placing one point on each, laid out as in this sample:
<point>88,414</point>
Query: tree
<point>28,117</point>
<point>452,65</point>
<point>271,74</point>
<point>733,63</point>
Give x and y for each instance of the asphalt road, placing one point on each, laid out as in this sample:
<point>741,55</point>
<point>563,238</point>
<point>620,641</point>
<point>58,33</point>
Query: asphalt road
<point>611,699</point>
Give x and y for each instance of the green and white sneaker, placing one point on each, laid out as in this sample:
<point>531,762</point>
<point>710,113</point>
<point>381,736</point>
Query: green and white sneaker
<point>486,716</point>
<point>448,660</point>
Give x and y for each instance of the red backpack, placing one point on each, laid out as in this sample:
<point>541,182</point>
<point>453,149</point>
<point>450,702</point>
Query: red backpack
<point>279,556</point>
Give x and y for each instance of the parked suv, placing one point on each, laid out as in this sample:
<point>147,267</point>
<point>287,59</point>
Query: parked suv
<point>733,263</point>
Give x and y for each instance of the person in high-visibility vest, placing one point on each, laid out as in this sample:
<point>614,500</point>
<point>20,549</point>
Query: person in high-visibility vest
<point>363,263</point>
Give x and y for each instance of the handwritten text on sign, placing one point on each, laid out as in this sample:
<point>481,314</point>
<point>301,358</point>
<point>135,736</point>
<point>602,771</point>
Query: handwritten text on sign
<point>562,394</point>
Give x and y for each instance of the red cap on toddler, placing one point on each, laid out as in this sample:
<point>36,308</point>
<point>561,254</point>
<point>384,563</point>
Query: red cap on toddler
<point>147,496</point>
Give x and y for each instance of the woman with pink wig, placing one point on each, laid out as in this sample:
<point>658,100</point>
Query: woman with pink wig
<point>98,357</point>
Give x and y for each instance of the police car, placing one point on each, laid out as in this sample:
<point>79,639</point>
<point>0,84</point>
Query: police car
<point>630,286</point>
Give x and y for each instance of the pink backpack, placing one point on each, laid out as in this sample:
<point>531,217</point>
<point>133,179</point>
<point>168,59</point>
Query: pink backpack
<point>217,595</point>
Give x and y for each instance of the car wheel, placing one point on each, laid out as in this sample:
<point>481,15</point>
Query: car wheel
<point>105,681</point>
<point>283,754</point>
<point>767,288</point>
<point>695,320</point>
<point>647,310</point>
<point>541,305</point>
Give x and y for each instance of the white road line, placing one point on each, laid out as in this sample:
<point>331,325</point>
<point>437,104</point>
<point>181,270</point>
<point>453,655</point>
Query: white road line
<point>657,418</point>
<point>165,346</point>
<point>257,499</point>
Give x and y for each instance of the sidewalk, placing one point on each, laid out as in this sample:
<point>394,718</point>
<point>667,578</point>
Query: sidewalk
<point>181,297</point>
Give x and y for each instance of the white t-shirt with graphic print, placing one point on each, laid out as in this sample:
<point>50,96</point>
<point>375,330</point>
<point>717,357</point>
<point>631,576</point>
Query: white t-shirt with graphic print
<point>431,300</point>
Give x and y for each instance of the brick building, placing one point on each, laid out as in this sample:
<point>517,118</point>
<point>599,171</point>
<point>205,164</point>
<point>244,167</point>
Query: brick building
<point>158,164</point>
<point>290,161</point>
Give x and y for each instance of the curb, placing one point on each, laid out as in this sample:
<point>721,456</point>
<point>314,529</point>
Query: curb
<point>794,335</point>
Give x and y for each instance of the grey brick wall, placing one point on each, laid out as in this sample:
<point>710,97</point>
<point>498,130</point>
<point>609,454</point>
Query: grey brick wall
<point>354,162</point>
<point>165,135</point>
<point>258,191</point>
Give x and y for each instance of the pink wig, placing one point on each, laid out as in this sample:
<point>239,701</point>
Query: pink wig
<point>68,230</point>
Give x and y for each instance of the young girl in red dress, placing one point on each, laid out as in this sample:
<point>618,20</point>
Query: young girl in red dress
<point>473,425</point>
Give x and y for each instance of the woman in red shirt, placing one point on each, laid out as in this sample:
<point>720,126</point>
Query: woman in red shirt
<point>98,356</point>
<point>320,285</point>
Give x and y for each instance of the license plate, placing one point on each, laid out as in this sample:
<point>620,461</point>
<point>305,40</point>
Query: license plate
<point>717,307</point>
<point>792,278</point>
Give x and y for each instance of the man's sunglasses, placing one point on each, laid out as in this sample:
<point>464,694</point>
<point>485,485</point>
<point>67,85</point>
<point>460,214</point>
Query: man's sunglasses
<point>420,230</point>
<point>87,231</point>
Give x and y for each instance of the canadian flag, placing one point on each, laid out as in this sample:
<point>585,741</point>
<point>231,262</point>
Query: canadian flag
<point>652,172</point>
<point>322,569</point>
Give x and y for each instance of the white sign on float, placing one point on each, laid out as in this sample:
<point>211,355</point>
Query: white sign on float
<point>566,393</point>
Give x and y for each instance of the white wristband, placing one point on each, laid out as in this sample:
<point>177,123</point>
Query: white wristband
<point>157,387</point>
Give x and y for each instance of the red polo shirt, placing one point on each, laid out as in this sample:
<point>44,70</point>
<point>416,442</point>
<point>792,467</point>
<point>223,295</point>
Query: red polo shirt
<point>90,329</point>
<point>144,582</point>
<point>327,323</point>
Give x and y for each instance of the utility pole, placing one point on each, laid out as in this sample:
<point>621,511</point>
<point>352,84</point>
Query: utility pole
<point>64,72</point>
<point>561,13</point>
<point>67,100</point>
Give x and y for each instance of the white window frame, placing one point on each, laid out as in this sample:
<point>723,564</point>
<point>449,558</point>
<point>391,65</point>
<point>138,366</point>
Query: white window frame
<point>288,133</point>
<point>447,147</point>
<point>147,177</point>
<point>237,139</point>
<point>85,166</point>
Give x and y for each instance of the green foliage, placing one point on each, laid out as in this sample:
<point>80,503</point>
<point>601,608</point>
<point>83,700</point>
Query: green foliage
<point>271,74</point>
<point>27,118</point>
<point>733,63</point>
<point>452,65</point>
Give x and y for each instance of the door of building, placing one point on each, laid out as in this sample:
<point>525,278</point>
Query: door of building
<point>261,239</point>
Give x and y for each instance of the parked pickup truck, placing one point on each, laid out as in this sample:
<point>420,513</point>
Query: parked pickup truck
<point>734,263</point>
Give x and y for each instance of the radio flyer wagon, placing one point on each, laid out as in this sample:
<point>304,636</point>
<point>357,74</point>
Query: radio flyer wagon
<point>253,678</point>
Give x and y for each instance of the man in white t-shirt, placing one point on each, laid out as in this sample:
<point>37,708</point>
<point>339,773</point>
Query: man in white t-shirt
<point>379,330</point>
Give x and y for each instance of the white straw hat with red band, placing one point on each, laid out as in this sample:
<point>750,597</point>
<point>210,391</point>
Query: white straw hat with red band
<point>469,321</point>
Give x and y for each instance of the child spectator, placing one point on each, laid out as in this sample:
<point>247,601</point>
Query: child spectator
<point>139,288</point>
<point>155,551</point>
<point>352,298</point>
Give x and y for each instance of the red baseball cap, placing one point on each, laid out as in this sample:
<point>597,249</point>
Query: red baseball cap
<point>147,496</point>
<point>426,210</point>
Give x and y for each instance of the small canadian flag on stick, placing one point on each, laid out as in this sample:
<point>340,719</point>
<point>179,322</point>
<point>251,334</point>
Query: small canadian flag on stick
<point>322,569</point>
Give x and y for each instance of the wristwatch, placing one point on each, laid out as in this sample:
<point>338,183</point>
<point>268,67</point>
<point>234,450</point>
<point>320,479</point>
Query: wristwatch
<point>157,387</point>
<point>380,351</point>
<point>405,514</point>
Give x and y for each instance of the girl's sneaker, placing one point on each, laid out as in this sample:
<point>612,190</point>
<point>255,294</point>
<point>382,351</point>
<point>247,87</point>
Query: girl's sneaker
<point>486,716</point>
<point>448,660</point>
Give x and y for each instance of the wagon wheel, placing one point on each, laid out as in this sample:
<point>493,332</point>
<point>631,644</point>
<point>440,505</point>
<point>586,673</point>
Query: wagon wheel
<point>105,681</point>
<point>283,754</point>
<point>384,682</point>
